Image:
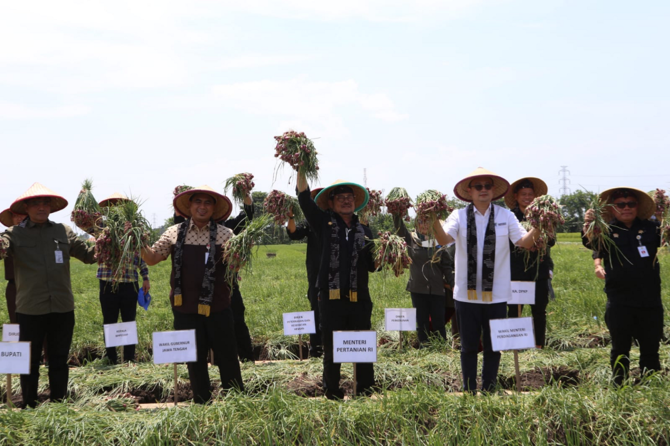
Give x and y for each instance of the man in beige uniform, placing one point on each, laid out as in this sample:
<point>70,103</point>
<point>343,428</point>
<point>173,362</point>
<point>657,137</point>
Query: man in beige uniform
<point>41,250</point>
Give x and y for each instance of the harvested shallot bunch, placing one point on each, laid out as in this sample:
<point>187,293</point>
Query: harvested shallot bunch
<point>398,202</point>
<point>391,252</point>
<point>237,251</point>
<point>374,206</point>
<point>240,185</point>
<point>298,151</point>
<point>280,206</point>
<point>86,213</point>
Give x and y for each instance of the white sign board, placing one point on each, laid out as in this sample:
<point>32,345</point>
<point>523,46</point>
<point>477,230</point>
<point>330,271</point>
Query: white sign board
<point>512,334</point>
<point>10,332</point>
<point>355,346</point>
<point>522,293</point>
<point>124,333</point>
<point>299,323</point>
<point>400,319</point>
<point>174,346</point>
<point>15,358</point>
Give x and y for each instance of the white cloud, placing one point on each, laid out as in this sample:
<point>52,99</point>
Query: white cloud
<point>318,104</point>
<point>10,110</point>
<point>260,60</point>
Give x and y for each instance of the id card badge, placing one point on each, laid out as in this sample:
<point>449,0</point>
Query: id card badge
<point>643,251</point>
<point>207,255</point>
<point>59,256</point>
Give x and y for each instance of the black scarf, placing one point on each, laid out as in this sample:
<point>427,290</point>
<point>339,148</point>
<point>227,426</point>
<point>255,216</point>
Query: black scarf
<point>207,290</point>
<point>489,256</point>
<point>334,267</point>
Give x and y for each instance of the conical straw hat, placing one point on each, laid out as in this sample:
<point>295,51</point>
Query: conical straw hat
<point>539,186</point>
<point>500,185</point>
<point>113,199</point>
<point>38,191</point>
<point>645,204</point>
<point>361,196</point>
<point>7,217</point>
<point>222,208</point>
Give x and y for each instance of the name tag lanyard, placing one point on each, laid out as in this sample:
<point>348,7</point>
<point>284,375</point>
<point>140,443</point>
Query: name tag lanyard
<point>641,248</point>
<point>58,252</point>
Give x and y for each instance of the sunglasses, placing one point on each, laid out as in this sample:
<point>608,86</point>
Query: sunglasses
<point>343,198</point>
<point>623,204</point>
<point>479,187</point>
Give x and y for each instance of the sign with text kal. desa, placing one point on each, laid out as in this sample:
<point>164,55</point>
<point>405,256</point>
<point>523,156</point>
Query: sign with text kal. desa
<point>299,323</point>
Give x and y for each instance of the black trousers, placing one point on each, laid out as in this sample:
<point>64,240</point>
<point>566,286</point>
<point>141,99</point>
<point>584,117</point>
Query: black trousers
<point>215,332</point>
<point>315,338</point>
<point>337,315</point>
<point>123,301</point>
<point>57,328</point>
<point>10,296</point>
<point>429,309</point>
<point>244,348</point>
<point>538,310</point>
<point>643,324</point>
<point>473,322</point>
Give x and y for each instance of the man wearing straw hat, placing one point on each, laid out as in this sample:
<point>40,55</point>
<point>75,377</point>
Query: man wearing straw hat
<point>632,278</point>
<point>527,266</point>
<point>41,250</point>
<point>312,258</point>
<point>481,232</point>
<point>122,298</point>
<point>9,219</point>
<point>199,294</point>
<point>345,261</point>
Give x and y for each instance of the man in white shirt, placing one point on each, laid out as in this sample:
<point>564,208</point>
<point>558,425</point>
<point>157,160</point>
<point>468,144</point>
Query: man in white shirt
<point>483,283</point>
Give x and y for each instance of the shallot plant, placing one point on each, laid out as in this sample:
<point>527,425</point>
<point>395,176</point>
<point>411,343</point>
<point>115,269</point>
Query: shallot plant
<point>398,202</point>
<point>86,213</point>
<point>390,252</point>
<point>237,251</point>
<point>374,206</point>
<point>240,185</point>
<point>298,151</point>
<point>280,206</point>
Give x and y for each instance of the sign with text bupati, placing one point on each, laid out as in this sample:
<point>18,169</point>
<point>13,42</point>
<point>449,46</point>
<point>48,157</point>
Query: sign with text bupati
<point>355,346</point>
<point>299,323</point>
<point>512,334</point>
<point>10,332</point>
<point>174,346</point>
<point>522,293</point>
<point>400,319</point>
<point>15,358</point>
<point>124,333</point>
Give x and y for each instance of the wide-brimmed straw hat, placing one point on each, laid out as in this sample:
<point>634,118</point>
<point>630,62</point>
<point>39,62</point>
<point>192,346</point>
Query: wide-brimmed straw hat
<point>361,196</point>
<point>222,208</point>
<point>113,199</point>
<point>7,217</point>
<point>539,186</point>
<point>645,204</point>
<point>315,192</point>
<point>38,191</point>
<point>500,185</point>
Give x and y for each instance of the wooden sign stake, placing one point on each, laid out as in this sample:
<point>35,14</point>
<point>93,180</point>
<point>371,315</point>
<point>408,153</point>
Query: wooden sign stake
<point>175,385</point>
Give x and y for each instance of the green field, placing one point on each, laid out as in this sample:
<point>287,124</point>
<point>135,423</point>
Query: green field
<point>568,398</point>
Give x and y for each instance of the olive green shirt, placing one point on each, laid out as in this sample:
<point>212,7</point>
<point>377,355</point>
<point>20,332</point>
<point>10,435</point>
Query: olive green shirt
<point>42,284</point>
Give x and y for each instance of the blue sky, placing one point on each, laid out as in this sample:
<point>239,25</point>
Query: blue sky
<point>143,96</point>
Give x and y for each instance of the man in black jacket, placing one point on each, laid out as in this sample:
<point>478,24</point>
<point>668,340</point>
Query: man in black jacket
<point>632,278</point>
<point>345,261</point>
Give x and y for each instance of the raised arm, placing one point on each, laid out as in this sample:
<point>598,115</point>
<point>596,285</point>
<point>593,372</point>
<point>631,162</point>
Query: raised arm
<point>79,249</point>
<point>440,235</point>
<point>401,229</point>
